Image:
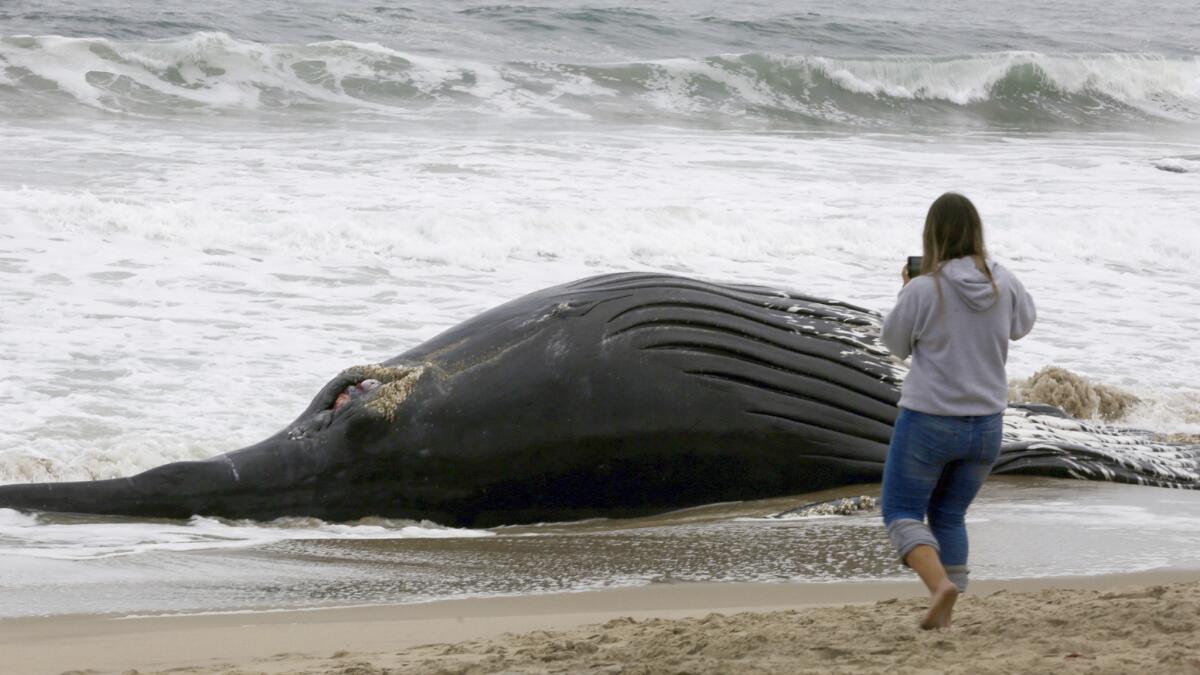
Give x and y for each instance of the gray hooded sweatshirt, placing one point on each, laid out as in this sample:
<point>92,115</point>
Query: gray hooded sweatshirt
<point>958,353</point>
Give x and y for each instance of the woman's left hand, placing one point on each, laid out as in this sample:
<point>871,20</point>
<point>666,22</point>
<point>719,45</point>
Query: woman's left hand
<point>904,275</point>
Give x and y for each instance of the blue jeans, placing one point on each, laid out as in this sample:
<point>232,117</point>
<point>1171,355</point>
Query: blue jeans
<point>935,466</point>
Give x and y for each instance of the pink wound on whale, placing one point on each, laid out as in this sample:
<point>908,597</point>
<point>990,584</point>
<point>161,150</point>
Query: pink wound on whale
<point>354,391</point>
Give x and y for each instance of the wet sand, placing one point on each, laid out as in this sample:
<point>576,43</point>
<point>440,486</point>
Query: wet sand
<point>1113,623</point>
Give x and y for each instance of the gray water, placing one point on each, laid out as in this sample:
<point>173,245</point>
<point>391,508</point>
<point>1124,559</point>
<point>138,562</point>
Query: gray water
<point>598,31</point>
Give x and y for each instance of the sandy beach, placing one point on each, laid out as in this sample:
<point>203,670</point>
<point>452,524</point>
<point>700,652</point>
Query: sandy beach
<point>1101,624</point>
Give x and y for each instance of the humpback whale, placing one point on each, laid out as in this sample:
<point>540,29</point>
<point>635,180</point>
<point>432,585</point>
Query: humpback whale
<point>617,395</point>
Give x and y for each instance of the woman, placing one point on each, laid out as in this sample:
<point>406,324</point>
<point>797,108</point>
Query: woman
<point>955,319</point>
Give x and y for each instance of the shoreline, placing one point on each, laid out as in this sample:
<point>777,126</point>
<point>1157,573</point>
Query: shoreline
<point>297,640</point>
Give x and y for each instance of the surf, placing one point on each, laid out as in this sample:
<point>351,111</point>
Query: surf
<point>213,73</point>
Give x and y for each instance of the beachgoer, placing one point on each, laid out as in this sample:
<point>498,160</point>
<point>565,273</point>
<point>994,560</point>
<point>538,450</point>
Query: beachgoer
<point>955,319</point>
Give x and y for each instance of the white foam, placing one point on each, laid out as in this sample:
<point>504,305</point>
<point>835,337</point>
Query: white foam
<point>1167,412</point>
<point>1186,164</point>
<point>26,535</point>
<point>1149,80</point>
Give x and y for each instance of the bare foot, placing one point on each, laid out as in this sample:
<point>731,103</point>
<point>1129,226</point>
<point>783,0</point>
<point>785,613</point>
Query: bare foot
<point>941,606</point>
<point>945,622</point>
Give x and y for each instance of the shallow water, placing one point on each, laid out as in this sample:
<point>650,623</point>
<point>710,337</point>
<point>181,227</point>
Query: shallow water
<point>1019,527</point>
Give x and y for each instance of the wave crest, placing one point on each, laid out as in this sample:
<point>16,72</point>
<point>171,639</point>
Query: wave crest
<point>215,73</point>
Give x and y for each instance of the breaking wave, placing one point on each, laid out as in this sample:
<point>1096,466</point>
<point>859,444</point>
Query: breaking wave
<point>212,73</point>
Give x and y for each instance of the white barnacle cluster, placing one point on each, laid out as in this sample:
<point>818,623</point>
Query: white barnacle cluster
<point>397,382</point>
<point>836,507</point>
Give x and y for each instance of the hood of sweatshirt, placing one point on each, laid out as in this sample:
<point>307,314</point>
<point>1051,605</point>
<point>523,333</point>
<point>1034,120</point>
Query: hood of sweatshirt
<point>972,285</point>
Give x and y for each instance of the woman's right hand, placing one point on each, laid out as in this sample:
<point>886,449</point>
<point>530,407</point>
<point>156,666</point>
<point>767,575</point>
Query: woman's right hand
<point>904,275</point>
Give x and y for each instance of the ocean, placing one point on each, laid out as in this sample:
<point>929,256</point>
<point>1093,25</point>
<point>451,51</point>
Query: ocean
<point>207,211</point>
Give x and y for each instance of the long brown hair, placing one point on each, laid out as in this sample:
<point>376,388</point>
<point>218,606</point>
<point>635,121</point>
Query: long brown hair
<point>953,229</point>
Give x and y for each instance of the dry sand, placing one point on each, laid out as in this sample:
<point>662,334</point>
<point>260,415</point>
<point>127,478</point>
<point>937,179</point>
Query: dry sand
<point>1143,623</point>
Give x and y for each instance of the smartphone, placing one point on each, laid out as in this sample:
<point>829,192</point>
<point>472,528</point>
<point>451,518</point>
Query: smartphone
<point>914,266</point>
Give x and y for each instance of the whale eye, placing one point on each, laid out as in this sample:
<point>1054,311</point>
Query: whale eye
<point>311,426</point>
